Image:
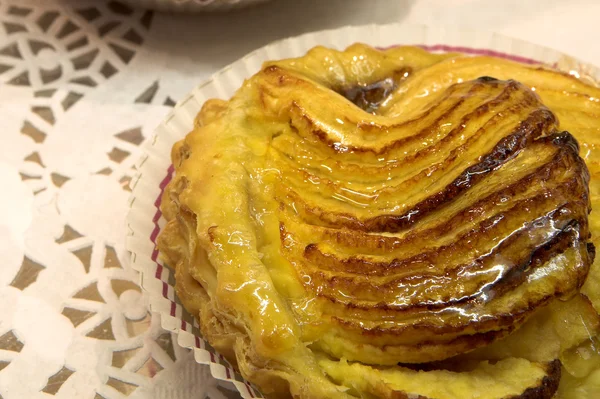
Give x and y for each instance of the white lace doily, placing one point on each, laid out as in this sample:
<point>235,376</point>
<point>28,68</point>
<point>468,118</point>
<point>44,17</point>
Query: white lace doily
<point>82,84</point>
<point>79,93</point>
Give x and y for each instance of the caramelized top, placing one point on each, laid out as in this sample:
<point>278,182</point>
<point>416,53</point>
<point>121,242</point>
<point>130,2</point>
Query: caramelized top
<point>384,207</point>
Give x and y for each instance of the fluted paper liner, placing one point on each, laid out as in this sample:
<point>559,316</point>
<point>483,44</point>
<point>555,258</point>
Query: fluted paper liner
<point>155,170</point>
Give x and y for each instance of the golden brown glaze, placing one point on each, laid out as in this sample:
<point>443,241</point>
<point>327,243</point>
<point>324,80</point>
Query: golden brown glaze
<point>348,211</point>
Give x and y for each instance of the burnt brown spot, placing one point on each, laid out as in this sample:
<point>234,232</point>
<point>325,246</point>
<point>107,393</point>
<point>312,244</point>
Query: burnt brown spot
<point>548,386</point>
<point>591,248</point>
<point>369,96</point>
<point>487,79</point>
<point>211,233</point>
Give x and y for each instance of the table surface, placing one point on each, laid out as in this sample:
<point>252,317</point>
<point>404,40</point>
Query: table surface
<point>82,84</point>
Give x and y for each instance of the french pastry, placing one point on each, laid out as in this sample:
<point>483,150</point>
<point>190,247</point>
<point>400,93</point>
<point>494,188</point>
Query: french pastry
<point>394,224</point>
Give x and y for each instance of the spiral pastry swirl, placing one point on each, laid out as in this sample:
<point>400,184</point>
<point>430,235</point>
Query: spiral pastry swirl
<point>349,224</point>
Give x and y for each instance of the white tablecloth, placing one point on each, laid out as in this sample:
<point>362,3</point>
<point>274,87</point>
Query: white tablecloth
<point>82,84</point>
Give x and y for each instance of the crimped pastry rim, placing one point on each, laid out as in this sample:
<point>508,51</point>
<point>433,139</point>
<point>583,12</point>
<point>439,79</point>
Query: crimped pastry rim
<point>154,169</point>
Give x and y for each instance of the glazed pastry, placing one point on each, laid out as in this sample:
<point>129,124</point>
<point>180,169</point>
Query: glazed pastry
<point>391,224</point>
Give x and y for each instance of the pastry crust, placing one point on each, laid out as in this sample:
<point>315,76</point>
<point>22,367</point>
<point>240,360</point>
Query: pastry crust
<point>347,211</point>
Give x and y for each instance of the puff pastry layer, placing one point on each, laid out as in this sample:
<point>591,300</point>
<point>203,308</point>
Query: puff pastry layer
<point>352,224</point>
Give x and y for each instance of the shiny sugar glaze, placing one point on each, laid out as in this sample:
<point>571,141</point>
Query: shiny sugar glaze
<point>385,207</point>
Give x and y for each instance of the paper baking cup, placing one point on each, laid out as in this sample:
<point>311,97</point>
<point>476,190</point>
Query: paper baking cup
<point>155,170</point>
<point>194,5</point>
